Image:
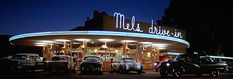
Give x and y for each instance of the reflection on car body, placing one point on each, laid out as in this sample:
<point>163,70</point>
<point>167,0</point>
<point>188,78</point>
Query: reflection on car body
<point>192,64</point>
<point>59,63</point>
<point>91,64</point>
<point>156,66</point>
<point>126,64</point>
<point>26,62</point>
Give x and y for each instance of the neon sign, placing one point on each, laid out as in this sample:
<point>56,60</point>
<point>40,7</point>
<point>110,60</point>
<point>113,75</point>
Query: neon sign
<point>120,23</point>
<point>153,29</point>
<point>158,31</point>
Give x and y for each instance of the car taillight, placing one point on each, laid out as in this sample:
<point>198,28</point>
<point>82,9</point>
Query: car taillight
<point>18,63</point>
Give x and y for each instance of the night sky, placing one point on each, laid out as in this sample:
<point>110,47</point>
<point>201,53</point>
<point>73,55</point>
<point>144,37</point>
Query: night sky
<point>24,16</point>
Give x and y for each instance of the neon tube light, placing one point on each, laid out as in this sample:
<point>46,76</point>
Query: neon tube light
<point>100,33</point>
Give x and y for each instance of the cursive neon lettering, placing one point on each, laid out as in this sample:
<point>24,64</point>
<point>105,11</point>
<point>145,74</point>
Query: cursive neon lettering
<point>120,19</point>
<point>153,29</point>
<point>178,34</point>
<point>120,23</point>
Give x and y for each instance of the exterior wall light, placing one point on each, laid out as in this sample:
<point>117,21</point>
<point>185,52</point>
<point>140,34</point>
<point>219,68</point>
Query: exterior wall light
<point>83,39</point>
<point>148,54</point>
<point>128,41</point>
<point>105,40</point>
<point>116,51</point>
<point>146,42</point>
<point>61,40</point>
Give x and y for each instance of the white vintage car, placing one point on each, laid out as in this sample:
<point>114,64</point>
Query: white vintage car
<point>62,63</point>
<point>26,62</point>
<point>125,65</point>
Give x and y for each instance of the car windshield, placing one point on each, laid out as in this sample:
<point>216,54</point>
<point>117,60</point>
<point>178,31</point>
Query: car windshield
<point>187,57</point>
<point>58,58</point>
<point>206,59</point>
<point>180,57</point>
<point>91,60</point>
<point>91,57</point>
<point>22,57</point>
<point>129,61</point>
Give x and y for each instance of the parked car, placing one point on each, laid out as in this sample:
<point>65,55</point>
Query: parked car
<point>60,63</point>
<point>91,64</point>
<point>192,64</point>
<point>156,66</point>
<point>28,62</point>
<point>230,67</point>
<point>126,65</point>
<point>5,63</point>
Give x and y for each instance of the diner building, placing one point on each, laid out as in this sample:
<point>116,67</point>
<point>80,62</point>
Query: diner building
<point>110,37</point>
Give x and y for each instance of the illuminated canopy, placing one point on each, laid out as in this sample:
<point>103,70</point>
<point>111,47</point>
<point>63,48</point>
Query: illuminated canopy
<point>99,33</point>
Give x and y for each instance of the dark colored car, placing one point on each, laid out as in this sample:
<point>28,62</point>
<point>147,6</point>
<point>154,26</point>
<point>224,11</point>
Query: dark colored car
<point>6,65</point>
<point>192,64</point>
<point>91,64</point>
<point>156,66</point>
<point>230,67</point>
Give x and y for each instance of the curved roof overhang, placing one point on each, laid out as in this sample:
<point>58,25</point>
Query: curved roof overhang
<point>28,38</point>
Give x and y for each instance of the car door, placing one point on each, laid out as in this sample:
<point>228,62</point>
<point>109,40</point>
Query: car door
<point>115,65</point>
<point>191,65</point>
<point>32,60</point>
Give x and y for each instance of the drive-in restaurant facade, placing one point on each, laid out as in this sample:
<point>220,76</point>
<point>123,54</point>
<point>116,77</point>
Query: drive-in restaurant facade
<point>110,37</point>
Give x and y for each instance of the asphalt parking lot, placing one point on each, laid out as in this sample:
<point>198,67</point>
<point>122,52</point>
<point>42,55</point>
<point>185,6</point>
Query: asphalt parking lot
<point>106,75</point>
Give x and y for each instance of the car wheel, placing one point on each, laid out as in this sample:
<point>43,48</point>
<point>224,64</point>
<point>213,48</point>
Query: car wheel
<point>101,72</point>
<point>112,70</point>
<point>52,70</point>
<point>214,73</point>
<point>82,70</point>
<point>139,71</point>
<point>177,73</point>
<point>199,74</point>
<point>121,68</point>
<point>67,70</point>
<point>163,73</point>
<point>73,70</point>
<point>33,70</point>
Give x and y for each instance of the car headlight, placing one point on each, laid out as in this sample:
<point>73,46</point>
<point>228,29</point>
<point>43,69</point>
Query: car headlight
<point>126,66</point>
<point>168,64</point>
<point>18,63</point>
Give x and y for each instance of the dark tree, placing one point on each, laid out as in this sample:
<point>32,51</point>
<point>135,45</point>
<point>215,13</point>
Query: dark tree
<point>207,23</point>
<point>8,49</point>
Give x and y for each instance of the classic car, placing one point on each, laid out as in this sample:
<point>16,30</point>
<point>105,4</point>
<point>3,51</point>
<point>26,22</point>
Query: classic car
<point>156,66</point>
<point>192,64</point>
<point>91,64</point>
<point>230,67</point>
<point>125,65</point>
<point>64,63</point>
<point>5,63</point>
<point>28,62</point>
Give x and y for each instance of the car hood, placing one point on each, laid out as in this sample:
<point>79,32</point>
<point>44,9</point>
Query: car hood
<point>133,64</point>
<point>92,62</point>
